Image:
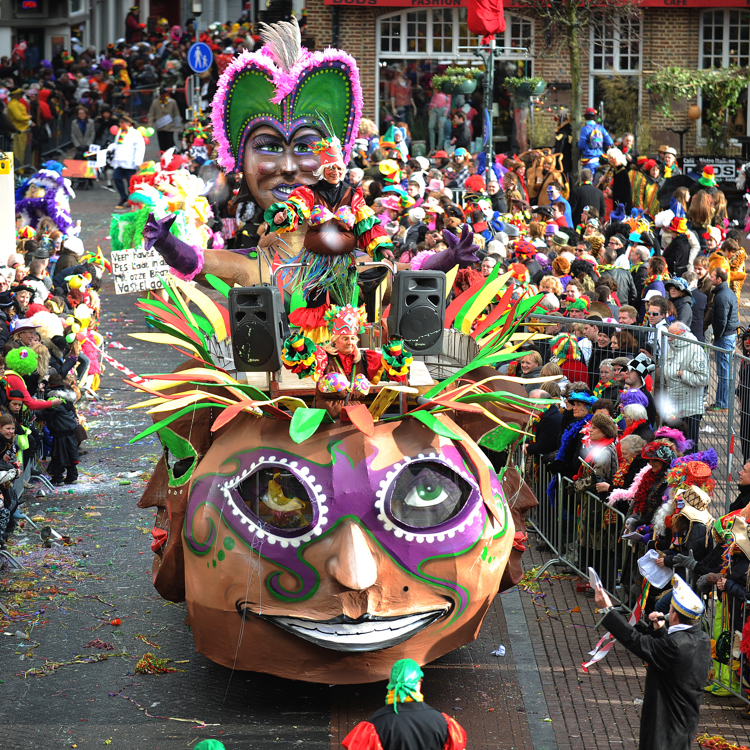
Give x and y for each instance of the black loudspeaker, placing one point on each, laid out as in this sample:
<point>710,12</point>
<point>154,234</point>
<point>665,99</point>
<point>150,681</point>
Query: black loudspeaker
<point>259,327</point>
<point>418,310</point>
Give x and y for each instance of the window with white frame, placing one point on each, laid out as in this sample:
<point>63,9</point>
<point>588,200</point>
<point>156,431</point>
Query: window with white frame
<point>725,38</point>
<point>616,46</point>
<point>390,34</point>
<point>444,32</point>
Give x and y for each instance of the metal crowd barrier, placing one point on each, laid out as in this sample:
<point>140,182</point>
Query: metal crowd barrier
<point>582,531</point>
<point>724,620</point>
<point>27,160</point>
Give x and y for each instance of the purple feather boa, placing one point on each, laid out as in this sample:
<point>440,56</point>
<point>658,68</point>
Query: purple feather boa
<point>201,254</point>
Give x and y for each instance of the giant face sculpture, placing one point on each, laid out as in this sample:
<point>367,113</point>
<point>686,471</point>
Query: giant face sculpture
<point>328,561</point>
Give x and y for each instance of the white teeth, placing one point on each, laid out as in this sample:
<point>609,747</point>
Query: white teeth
<point>360,636</point>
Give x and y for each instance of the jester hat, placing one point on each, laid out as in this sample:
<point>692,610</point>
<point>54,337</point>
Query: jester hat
<point>283,85</point>
<point>343,321</point>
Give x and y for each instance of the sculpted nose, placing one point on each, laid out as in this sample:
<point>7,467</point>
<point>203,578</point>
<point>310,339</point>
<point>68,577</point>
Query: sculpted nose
<point>351,561</point>
<point>289,163</point>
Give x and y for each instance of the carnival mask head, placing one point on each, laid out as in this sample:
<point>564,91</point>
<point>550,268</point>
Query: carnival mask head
<point>266,113</point>
<point>324,550</point>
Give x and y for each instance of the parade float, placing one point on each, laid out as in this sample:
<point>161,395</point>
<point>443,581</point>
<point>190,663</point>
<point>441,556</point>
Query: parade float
<point>324,505</point>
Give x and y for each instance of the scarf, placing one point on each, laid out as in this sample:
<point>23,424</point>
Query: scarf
<point>569,436</point>
<point>644,504</point>
<point>630,429</point>
<point>567,439</point>
<point>622,471</point>
<point>654,277</point>
<point>601,386</point>
<point>667,171</point>
<point>601,268</point>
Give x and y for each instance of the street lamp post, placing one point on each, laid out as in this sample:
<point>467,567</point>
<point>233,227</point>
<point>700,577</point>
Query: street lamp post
<point>197,8</point>
<point>488,55</point>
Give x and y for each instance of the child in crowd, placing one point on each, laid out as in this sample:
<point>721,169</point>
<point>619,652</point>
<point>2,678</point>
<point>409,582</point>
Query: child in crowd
<point>62,421</point>
<point>10,469</point>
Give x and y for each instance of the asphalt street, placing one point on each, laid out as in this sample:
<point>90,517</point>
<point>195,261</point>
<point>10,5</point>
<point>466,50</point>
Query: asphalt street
<point>67,672</point>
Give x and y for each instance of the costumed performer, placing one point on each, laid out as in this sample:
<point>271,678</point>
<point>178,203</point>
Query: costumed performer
<point>679,658</point>
<point>406,721</point>
<point>266,122</point>
<point>338,219</point>
<point>344,372</point>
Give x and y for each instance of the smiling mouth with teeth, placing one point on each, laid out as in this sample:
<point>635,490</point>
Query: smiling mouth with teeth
<point>283,190</point>
<point>366,633</point>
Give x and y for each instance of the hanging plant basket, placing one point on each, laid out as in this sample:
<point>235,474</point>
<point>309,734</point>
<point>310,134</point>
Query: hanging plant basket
<point>525,86</point>
<point>467,87</point>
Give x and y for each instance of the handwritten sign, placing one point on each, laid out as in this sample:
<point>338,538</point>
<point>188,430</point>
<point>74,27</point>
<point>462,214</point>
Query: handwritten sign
<point>137,270</point>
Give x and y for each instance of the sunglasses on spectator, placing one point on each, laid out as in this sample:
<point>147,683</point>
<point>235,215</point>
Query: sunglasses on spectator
<point>654,314</point>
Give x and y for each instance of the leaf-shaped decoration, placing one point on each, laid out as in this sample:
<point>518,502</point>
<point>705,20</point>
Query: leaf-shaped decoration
<point>305,423</point>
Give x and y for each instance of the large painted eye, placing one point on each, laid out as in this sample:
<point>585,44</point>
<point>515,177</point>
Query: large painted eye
<point>277,499</point>
<point>428,493</point>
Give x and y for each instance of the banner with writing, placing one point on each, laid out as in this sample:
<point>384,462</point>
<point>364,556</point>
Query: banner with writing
<point>137,270</point>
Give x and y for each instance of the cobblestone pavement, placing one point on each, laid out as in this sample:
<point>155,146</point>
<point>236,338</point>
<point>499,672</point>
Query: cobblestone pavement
<point>600,709</point>
<point>536,697</point>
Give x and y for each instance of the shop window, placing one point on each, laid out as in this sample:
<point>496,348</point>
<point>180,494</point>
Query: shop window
<point>616,46</point>
<point>725,38</point>
<point>442,31</point>
<point>724,43</point>
<point>390,35</point>
<point>415,45</point>
<point>416,31</point>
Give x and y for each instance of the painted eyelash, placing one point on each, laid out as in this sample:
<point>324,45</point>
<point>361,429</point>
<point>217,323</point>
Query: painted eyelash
<point>262,141</point>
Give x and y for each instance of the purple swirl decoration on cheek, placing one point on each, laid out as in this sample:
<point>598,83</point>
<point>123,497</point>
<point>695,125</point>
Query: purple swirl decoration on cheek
<point>342,491</point>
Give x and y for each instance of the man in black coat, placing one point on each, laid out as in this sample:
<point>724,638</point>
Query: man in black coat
<point>625,284</point>
<point>699,306</point>
<point>547,429</point>
<point>638,257</point>
<point>679,660</point>
<point>586,195</point>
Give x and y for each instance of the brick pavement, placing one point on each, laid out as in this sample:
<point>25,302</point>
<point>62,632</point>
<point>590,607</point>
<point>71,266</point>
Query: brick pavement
<point>600,709</point>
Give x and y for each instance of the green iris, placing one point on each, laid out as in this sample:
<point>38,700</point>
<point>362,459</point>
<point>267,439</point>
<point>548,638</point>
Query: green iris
<point>428,491</point>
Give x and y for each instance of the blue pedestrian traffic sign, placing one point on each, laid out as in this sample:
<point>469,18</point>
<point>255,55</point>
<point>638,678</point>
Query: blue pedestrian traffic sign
<point>200,57</point>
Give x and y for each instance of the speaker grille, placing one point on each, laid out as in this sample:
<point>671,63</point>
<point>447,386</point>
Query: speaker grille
<point>421,328</point>
<point>254,344</point>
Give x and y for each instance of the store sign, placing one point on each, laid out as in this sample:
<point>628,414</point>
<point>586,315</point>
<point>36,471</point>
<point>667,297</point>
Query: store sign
<point>725,168</point>
<point>399,3</point>
<point>521,3</point>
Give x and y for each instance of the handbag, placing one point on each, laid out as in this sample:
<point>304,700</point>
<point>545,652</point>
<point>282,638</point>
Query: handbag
<point>80,433</point>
